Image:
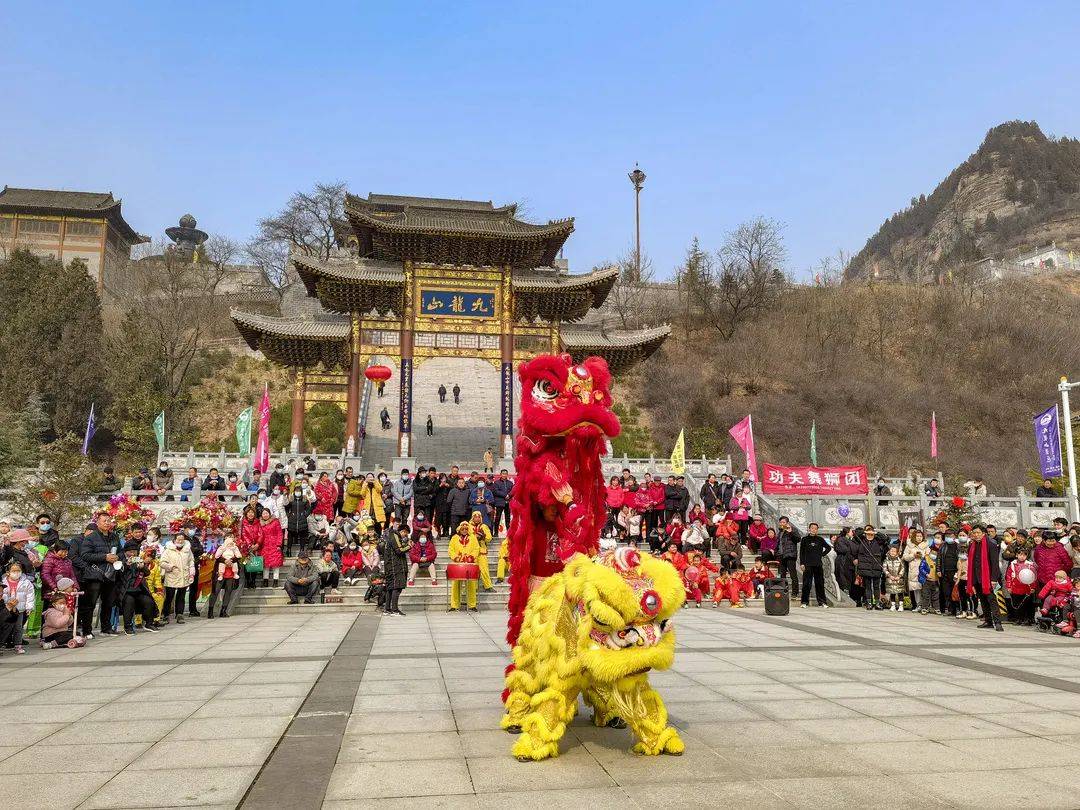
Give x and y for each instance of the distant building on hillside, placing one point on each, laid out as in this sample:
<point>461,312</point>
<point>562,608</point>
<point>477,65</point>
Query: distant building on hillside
<point>1041,259</point>
<point>70,225</point>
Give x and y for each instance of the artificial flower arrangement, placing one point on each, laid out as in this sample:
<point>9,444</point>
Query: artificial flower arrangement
<point>126,512</point>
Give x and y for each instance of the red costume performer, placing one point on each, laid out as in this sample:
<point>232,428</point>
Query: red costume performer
<point>559,498</point>
<point>726,588</point>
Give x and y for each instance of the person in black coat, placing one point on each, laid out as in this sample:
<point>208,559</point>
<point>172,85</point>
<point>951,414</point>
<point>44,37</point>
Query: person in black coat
<point>813,548</point>
<point>424,486</point>
<point>442,393</point>
<point>870,551</point>
<point>47,533</point>
<point>947,565</point>
<point>440,507</point>
<point>501,489</point>
<point>133,593</point>
<point>671,500</point>
<point>710,494</point>
<point>96,555</point>
<point>725,492</point>
<point>297,510</point>
<point>394,549</point>
<point>984,572</point>
<point>457,501</point>
<point>683,502</point>
<point>846,547</point>
<point>787,551</point>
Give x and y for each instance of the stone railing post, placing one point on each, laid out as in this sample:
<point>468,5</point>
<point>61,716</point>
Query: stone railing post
<point>815,510</point>
<point>1024,516</point>
<point>924,509</point>
<point>191,457</point>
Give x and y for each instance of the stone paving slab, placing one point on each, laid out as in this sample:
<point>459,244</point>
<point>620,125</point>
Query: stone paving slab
<point>829,709</point>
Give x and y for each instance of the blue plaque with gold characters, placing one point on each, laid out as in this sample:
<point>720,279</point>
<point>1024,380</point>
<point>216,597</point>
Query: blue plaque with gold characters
<point>457,304</point>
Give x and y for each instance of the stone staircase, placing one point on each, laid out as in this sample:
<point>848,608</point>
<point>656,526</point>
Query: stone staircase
<point>380,446</point>
<point>462,432</point>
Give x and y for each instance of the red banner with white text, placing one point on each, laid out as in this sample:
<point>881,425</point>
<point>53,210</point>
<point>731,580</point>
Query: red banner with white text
<point>779,480</point>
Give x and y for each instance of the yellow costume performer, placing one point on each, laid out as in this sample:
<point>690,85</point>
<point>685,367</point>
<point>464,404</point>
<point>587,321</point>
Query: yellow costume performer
<point>595,629</point>
<point>463,548</point>
<point>483,538</point>
<point>504,557</point>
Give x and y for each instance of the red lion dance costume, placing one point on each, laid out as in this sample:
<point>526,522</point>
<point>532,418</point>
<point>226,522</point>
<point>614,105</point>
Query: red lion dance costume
<point>558,501</point>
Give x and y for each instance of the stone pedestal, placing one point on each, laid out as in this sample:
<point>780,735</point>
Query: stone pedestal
<point>400,463</point>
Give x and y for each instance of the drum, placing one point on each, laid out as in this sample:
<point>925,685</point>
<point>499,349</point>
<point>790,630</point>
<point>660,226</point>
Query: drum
<point>462,571</point>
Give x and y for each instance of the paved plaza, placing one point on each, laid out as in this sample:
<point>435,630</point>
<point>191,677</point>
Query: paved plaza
<point>821,708</point>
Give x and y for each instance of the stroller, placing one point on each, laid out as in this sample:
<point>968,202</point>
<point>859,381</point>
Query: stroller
<point>1059,620</point>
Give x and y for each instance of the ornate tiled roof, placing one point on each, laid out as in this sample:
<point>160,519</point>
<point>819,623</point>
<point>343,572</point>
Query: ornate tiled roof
<point>621,348</point>
<point>51,202</point>
<point>558,297</point>
<point>302,342</point>
<point>344,283</point>
<point>459,231</point>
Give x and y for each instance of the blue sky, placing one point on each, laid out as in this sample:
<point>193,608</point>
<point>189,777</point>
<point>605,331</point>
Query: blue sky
<point>825,116</point>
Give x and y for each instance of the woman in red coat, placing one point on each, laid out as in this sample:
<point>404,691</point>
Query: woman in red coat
<point>270,540</point>
<point>616,495</point>
<point>250,540</point>
<point>326,495</point>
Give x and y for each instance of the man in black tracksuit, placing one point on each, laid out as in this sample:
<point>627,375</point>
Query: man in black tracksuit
<point>812,550</point>
<point>787,549</point>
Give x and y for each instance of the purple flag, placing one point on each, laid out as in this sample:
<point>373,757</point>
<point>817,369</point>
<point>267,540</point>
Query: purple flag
<point>91,426</point>
<point>1048,442</point>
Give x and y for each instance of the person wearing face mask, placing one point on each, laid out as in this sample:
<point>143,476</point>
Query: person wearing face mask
<point>271,540</point>
<point>423,553</point>
<point>226,576</point>
<point>177,573</point>
<point>277,477</point>
<point>396,544</point>
<point>371,501</point>
<point>326,495</point>
<point>57,565</point>
<point>195,542</point>
<point>329,570</point>
<point>297,511</point>
<point>402,492</point>
<point>46,530</point>
<point>339,502</point>
<point>97,573</point>
<point>163,479</point>
<point>351,564</point>
<point>948,563</point>
<point>18,599</point>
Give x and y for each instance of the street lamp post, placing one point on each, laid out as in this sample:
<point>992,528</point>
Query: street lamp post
<point>637,177</point>
<point>1064,387</point>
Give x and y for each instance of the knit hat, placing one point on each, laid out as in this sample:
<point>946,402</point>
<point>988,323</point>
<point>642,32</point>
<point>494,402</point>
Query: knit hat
<point>19,536</point>
<point>64,583</point>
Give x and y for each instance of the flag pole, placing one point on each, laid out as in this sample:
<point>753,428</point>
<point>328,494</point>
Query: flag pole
<point>1064,387</point>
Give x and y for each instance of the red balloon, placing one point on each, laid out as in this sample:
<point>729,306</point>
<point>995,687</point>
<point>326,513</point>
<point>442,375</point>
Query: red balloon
<point>378,373</point>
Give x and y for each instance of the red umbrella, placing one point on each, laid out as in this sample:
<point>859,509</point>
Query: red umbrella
<point>378,373</point>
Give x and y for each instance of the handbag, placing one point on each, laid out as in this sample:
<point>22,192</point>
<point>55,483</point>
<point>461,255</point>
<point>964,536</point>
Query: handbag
<point>254,564</point>
<point>955,595</point>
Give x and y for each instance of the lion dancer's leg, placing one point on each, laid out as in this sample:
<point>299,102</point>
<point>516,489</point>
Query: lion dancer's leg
<point>644,712</point>
<point>545,722</point>
<point>605,712</point>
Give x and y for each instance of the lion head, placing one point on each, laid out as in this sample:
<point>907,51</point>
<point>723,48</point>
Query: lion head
<point>622,603</point>
<point>560,397</point>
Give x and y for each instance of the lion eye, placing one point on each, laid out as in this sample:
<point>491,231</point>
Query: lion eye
<point>545,390</point>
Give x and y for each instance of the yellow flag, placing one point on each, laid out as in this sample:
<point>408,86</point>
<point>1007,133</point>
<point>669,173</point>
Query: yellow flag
<point>678,455</point>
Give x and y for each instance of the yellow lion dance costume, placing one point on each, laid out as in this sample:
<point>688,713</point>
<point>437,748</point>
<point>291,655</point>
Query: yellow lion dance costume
<point>595,629</point>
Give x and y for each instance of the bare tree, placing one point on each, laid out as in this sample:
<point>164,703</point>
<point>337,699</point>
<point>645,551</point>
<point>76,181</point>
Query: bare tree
<point>745,278</point>
<point>305,224</point>
<point>634,299</point>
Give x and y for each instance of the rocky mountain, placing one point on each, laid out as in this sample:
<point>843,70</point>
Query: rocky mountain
<point>1020,189</point>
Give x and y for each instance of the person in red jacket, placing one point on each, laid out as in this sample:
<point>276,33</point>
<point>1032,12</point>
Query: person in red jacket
<point>657,494</point>
<point>422,554</point>
<point>726,588</point>
<point>745,582</point>
<point>1050,557</point>
<point>702,566</point>
<point>271,538</point>
<point>1056,593</point>
<point>756,533</point>
<point>675,557</point>
<point>250,541</point>
<point>352,565</point>
<point>614,498</point>
<point>758,575</point>
<point>1021,594</point>
<point>691,581</point>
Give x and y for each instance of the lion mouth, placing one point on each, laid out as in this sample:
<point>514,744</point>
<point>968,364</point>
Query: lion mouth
<point>634,635</point>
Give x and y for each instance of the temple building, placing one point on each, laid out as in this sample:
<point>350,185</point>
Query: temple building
<point>70,225</point>
<point>416,278</point>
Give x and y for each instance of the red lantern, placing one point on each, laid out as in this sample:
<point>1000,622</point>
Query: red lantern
<point>378,373</point>
<point>959,502</point>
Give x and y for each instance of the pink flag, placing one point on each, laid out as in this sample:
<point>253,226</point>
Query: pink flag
<point>933,434</point>
<point>743,434</point>
<point>262,449</point>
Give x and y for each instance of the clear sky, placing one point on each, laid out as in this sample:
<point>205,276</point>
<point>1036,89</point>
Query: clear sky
<point>826,116</point>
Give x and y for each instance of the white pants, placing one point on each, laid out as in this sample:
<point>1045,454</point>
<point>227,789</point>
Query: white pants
<point>431,571</point>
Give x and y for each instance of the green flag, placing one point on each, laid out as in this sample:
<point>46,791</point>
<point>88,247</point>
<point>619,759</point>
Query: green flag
<point>243,430</point>
<point>813,442</point>
<point>159,430</point>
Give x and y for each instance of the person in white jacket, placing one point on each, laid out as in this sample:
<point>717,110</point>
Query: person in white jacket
<point>177,573</point>
<point>19,598</point>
